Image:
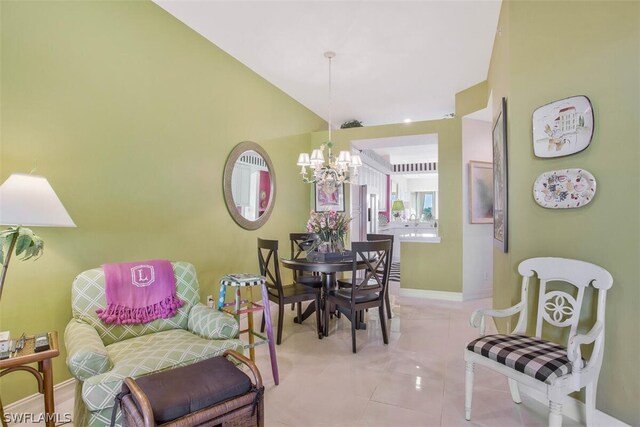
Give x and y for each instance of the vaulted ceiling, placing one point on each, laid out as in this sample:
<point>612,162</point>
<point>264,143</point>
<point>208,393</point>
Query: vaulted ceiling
<point>395,60</point>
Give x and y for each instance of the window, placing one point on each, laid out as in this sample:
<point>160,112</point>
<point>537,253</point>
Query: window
<point>425,201</point>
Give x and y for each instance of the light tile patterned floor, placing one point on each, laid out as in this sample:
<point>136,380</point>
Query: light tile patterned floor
<point>417,380</point>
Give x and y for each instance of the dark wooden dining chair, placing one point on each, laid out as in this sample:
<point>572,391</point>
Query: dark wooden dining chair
<point>283,295</point>
<point>299,247</point>
<point>346,283</point>
<point>367,291</point>
<point>374,237</point>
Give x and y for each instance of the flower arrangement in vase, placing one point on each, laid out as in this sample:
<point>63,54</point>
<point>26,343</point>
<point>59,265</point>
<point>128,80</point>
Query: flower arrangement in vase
<point>331,228</point>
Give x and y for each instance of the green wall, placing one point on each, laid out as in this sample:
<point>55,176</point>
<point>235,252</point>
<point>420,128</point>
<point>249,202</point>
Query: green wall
<point>426,266</point>
<point>131,115</point>
<point>551,50</point>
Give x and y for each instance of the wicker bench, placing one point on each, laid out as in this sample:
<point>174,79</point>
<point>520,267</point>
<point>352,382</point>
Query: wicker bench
<point>207,393</point>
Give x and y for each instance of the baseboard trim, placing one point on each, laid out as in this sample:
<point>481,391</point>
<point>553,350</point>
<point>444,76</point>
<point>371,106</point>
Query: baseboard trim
<point>477,294</point>
<point>35,403</point>
<point>574,409</point>
<point>427,294</point>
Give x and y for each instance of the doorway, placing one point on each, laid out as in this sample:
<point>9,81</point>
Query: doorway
<point>397,188</point>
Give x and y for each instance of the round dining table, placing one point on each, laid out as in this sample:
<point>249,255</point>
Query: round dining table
<point>327,270</point>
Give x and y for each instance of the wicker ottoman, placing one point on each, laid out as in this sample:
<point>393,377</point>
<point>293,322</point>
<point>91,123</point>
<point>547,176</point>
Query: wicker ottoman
<point>208,393</point>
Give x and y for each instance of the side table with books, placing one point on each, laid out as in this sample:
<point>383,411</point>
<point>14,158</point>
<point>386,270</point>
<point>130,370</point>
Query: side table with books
<point>20,360</point>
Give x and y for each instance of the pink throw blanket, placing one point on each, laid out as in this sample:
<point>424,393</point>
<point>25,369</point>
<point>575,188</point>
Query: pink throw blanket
<point>139,292</point>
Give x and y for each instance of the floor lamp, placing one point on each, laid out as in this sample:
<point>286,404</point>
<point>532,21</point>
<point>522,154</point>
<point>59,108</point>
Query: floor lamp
<point>28,200</point>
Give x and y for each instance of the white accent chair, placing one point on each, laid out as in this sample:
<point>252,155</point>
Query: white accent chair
<point>542,365</point>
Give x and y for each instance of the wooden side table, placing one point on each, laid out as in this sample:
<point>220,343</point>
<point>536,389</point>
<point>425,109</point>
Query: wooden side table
<point>44,373</point>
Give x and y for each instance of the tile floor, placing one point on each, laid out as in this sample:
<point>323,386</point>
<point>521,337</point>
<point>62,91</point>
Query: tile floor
<point>416,380</point>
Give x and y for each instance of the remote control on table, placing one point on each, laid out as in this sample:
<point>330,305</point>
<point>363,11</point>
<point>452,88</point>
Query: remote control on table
<point>4,350</point>
<point>41,342</point>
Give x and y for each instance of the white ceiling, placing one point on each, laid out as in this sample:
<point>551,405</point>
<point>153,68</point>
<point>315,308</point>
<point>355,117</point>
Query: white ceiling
<point>395,60</point>
<point>402,149</point>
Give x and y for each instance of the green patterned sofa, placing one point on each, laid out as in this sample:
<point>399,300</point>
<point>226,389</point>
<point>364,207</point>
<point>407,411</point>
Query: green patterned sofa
<point>100,356</point>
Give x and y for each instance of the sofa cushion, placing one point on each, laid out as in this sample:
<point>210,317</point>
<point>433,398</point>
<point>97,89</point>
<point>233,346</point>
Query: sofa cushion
<point>87,295</point>
<point>146,354</point>
<point>538,358</point>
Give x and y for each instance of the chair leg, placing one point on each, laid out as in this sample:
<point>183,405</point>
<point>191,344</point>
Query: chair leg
<point>280,323</point>
<point>354,317</point>
<point>299,305</point>
<point>383,324</point>
<point>325,325</point>
<point>590,402</point>
<point>388,305</point>
<point>468,390</point>
<point>555,414</point>
<point>515,393</point>
<point>318,317</point>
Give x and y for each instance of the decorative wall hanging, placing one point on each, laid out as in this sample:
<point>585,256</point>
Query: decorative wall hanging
<point>566,188</point>
<point>329,200</point>
<point>500,188</point>
<point>562,127</point>
<point>480,192</point>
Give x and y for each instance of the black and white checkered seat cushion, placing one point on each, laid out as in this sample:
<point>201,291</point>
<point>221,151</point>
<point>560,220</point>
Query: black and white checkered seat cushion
<point>538,358</point>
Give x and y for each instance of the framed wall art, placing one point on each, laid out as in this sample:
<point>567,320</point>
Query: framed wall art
<point>500,187</point>
<point>563,127</point>
<point>329,201</point>
<point>480,192</point>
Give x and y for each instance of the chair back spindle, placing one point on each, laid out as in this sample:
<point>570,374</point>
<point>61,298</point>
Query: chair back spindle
<point>269,265</point>
<point>298,241</point>
<point>299,250</point>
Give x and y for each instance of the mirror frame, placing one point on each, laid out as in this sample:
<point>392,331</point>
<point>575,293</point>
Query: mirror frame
<point>235,154</point>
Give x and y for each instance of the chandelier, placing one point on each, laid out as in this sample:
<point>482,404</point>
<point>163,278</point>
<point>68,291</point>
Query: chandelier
<point>330,175</point>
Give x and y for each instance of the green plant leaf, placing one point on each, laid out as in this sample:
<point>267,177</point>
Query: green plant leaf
<point>40,248</point>
<point>23,243</point>
<point>9,232</point>
<point>28,253</point>
<point>29,244</point>
<point>27,232</point>
<point>31,251</point>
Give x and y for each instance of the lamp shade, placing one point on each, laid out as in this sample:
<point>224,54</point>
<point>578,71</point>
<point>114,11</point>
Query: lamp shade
<point>344,158</point>
<point>29,200</point>
<point>317,158</point>
<point>398,205</point>
<point>303,160</point>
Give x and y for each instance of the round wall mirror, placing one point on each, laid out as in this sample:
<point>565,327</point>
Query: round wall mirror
<point>249,185</point>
